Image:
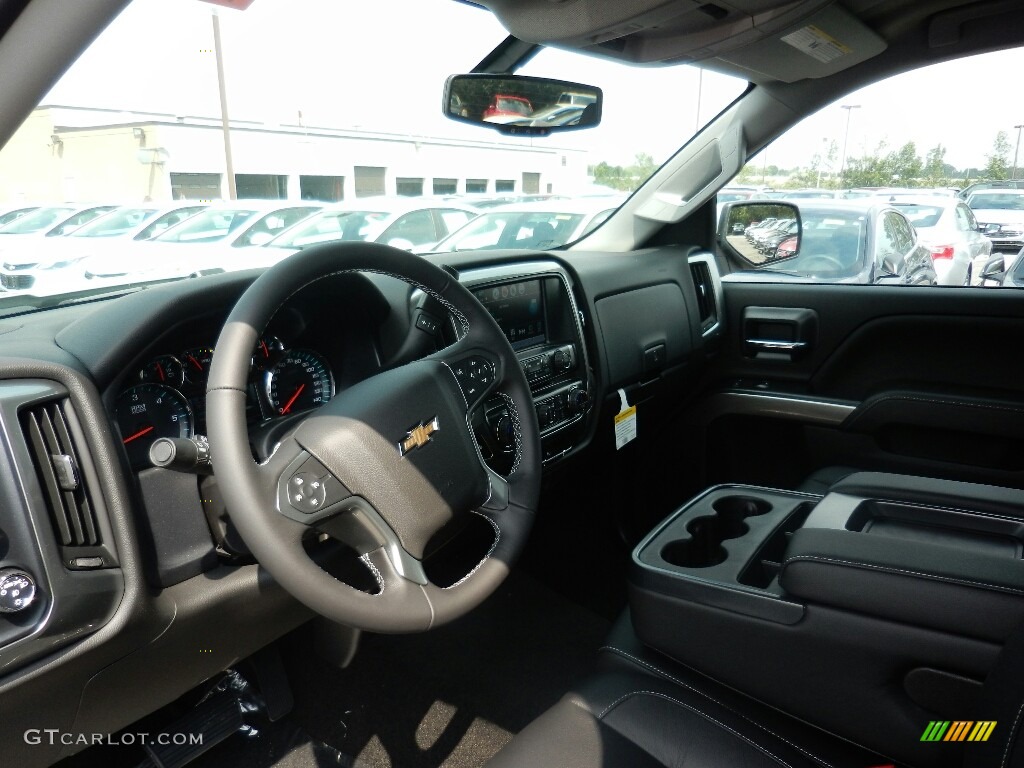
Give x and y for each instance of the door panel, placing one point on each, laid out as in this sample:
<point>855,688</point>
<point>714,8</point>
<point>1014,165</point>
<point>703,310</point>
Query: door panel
<point>915,380</point>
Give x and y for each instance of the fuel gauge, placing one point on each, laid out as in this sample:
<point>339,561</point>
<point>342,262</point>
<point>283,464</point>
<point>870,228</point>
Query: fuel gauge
<point>196,363</point>
<point>166,369</point>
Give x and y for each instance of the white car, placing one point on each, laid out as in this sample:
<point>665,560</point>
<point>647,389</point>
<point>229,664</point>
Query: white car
<point>1000,214</point>
<point>409,223</point>
<point>215,239</point>
<point>541,225</point>
<point>12,211</point>
<point>53,265</point>
<point>948,229</point>
<point>22,237</point>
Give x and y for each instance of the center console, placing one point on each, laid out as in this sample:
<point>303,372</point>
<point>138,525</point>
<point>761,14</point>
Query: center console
<point>533,305</point>
<point>869,611</point>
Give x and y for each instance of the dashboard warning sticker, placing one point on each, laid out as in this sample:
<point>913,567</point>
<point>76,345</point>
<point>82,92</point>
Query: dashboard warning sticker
<point>817,44</point>
<point>625,422</point>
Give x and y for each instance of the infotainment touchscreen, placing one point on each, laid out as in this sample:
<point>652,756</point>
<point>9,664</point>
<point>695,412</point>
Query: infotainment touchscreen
<point>519,310</point>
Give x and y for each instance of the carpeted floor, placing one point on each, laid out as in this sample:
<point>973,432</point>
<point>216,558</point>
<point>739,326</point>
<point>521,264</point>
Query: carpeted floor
<point>452,697</point>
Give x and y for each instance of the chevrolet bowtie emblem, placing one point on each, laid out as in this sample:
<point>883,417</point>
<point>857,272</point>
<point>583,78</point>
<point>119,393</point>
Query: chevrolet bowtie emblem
<point>418,436</point>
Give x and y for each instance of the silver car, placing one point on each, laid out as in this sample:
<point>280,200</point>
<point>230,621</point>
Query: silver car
<point>951,233</point>
<point>1000,214</point>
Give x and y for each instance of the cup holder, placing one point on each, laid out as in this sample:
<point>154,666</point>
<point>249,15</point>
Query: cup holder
<point>704,547</point>
<point>740,507</point>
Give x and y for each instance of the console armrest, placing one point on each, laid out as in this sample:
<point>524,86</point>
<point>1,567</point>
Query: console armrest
<point>963,582</point>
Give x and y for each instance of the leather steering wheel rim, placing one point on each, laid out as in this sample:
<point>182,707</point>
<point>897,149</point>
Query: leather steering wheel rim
<point>365,443</point>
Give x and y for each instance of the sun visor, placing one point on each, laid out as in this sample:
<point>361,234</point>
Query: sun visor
<point>766,39</point>
<point>828,42</point>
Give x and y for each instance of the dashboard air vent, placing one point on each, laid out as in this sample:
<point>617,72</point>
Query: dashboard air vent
<point>57,462</point>
<point>705,288</point>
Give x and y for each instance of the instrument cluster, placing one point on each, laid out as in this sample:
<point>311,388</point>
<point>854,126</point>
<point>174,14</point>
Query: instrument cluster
<point>166,397</point>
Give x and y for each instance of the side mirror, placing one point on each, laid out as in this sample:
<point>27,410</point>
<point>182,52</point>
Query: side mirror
<point>401,242</point>
<point>515,104</point>
<point>994,271</point>
<point>760,232</point>
<point>261,238</point>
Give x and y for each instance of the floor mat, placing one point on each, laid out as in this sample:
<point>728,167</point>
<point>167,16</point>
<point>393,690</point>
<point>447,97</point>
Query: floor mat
<point>452,697</point>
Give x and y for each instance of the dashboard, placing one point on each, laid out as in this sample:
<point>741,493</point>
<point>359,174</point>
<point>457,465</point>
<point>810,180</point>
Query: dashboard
<point>137,561</point>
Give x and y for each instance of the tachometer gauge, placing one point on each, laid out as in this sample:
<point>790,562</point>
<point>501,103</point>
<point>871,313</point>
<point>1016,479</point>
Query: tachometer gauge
<point>299,380</point>
<point>148,411</point>
<point>268,350</point>
<point>165,369</point>
<point>196,363</point>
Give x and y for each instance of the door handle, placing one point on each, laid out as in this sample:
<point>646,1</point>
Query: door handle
<point>771,345</point>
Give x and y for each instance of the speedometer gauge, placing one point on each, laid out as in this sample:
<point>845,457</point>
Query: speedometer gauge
<point>148,411</point>
<point>298,381</point>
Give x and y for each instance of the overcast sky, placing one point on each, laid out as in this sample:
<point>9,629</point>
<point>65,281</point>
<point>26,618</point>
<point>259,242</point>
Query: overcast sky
<point>332,60</point>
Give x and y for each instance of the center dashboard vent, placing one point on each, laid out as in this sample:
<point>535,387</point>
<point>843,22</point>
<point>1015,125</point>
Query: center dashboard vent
<point>703,284</point>
<point>58,460</point>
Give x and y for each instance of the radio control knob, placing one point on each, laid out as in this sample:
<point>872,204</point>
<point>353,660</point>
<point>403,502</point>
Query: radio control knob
<point>17,590</point>
<point>578,399</point>
<point>561,360</point>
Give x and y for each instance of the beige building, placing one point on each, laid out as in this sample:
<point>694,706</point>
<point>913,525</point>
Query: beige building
<point>78,154</point>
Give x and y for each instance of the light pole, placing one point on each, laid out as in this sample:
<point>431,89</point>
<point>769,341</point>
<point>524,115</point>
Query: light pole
<point>849,110</point>
<point>1015,152</point>
<point>224,122</point>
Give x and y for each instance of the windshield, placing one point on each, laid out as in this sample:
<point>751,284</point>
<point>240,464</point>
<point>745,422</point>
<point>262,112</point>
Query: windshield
<point>332,225</point>
<point>998,202</point>
<point>511,229</point>
<point>921,216</point>
<point>114,223</point>
<point>325,107</point>
<point>208,226</point>
<point>38,221</point>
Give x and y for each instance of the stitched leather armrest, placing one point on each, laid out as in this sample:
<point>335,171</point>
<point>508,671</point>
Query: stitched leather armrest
<point>929,584</point>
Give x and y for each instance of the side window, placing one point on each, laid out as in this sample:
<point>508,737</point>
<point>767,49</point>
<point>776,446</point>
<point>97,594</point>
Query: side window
<point>904,233</point>
<point>968,174</point>
<point>886,246</point>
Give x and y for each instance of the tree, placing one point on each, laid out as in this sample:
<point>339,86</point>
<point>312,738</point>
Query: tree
<point>935,164</point>
<point>625,179</point>
<point>999,161</point>
<point>884,169</point>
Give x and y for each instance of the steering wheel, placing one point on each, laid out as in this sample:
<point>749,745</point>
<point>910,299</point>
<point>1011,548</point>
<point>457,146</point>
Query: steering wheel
<point>387,464</point>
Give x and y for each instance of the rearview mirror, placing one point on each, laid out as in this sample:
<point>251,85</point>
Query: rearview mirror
<point>994,271</point>
<point>762,232</point>
<point>514,104</point>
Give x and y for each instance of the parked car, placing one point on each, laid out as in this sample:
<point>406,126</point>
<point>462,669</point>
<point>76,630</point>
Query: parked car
<point>848,241</point>
<point>213,240</point>
<point>947,227</point>
<point>402,222</point>
<point>506,107</point>
<point>23,238</point>
<point>56,265</point>
<point>1000,215</point>
<point>559,114</point>
<point>10,212</point>
<point>541,225</point>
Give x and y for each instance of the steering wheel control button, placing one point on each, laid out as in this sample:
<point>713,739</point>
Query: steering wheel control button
<point>474,374</point>
<point>427,323</point>
<point>306,492</point>
<point>17,590</point>
<point>307,487</point>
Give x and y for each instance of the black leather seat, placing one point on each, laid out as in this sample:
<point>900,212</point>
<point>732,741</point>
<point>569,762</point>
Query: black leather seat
<point>644,711</point>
